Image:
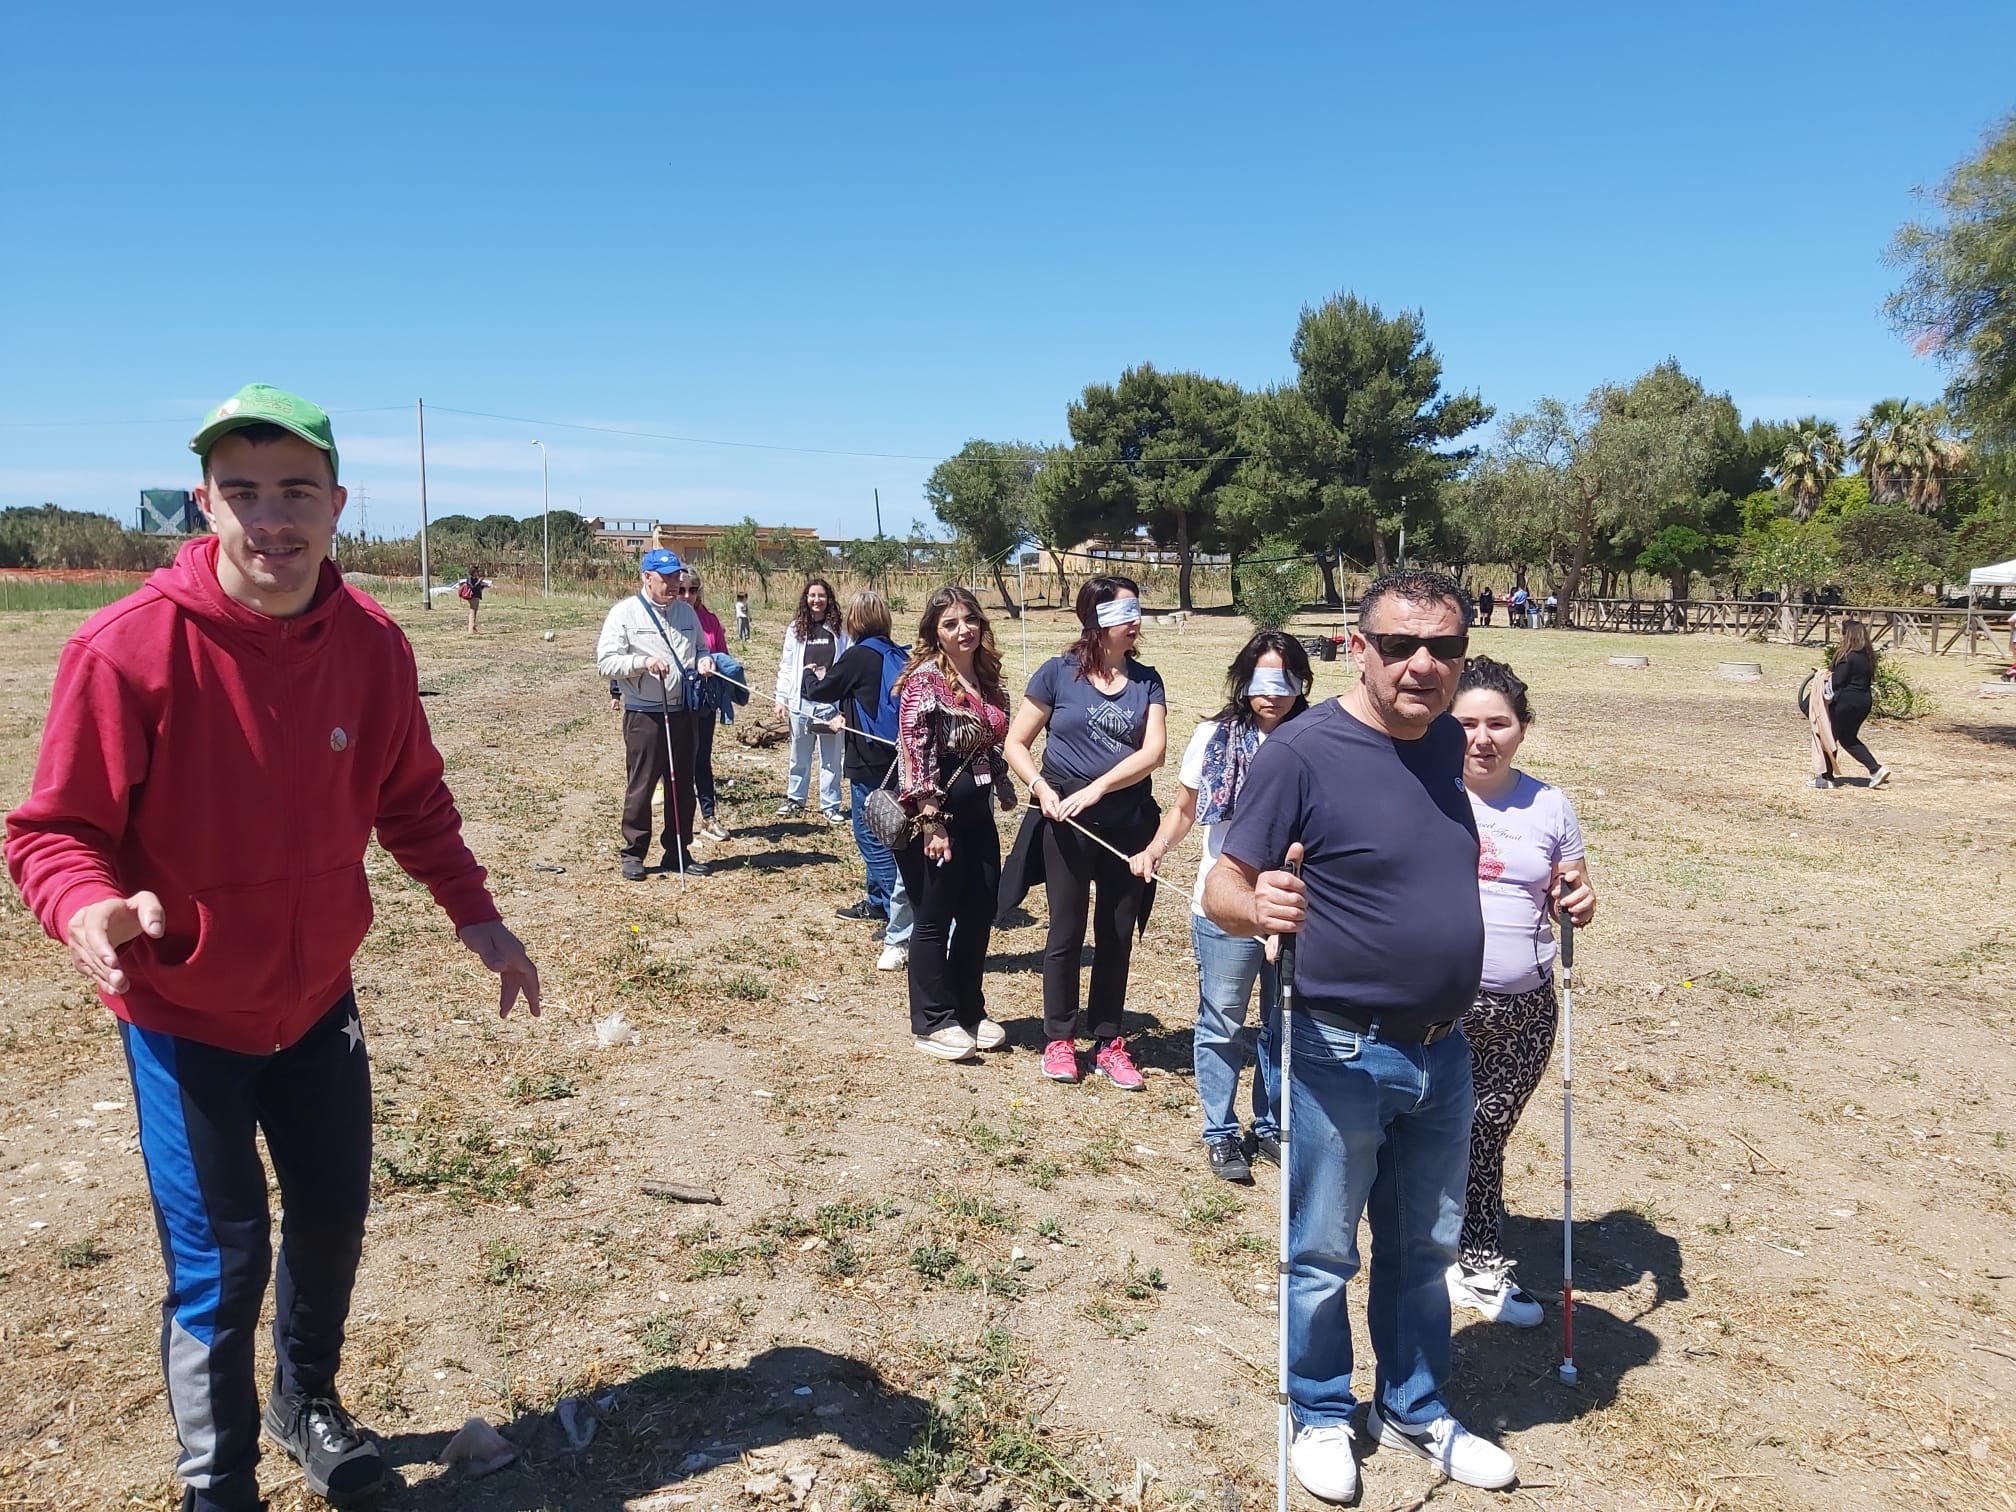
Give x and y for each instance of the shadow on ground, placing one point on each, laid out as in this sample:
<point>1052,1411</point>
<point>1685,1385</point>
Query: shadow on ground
<point>1507,1379</point>
<point>1987,734</point>
<point>666,1426</point>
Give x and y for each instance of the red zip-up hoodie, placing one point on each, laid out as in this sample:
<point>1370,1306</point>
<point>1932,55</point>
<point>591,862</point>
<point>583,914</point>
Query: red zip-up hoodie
<point>235,765</point>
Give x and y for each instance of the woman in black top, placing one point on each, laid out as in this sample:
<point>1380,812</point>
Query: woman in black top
<point>855,683</point>
<point>1851,692</point>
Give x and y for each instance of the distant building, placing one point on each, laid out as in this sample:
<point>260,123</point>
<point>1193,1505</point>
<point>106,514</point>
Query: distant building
<point>633,536</point>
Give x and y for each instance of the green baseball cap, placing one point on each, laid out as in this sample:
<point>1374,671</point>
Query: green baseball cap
<point>262,404</point>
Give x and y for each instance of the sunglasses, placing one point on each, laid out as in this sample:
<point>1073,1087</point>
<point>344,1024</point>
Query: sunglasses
<point>1401,647</point>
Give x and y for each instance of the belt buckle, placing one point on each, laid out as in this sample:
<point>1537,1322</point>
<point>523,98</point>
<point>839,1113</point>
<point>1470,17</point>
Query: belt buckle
<point>1435,1032</point>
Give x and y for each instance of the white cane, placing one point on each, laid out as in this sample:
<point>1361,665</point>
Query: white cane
<point>1568,1372</point>
<point>672,782</point>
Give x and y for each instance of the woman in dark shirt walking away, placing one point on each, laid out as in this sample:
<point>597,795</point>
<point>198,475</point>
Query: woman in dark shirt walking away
<point>952,717</point>
<point>1850,694</point>
<point>1107,719</point>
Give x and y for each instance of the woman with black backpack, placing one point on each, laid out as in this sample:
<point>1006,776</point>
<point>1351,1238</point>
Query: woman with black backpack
<point>862,681</point>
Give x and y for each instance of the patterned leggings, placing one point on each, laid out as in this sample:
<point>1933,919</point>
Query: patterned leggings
<point>1511,1037</point>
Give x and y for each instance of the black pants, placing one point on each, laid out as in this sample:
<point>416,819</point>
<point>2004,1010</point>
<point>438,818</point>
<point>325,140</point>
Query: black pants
<point>200,1110</point>
<point>1846,713</point>
<point>644,749</point>
<point>1072,867</point>
<point>703,758</point>
<point>954,907</point>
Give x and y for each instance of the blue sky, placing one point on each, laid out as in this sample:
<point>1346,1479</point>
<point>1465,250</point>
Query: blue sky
<point>887,229</point>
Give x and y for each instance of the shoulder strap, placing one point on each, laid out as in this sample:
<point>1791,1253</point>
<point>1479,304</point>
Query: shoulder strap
<point>663,634</point>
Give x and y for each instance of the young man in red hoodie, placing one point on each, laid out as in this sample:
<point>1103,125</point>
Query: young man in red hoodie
<point>220,747</point>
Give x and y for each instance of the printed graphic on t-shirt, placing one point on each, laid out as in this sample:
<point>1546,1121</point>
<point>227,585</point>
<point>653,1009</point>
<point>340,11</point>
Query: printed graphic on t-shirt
<point>1112,726</point>
<point>1490,865</point>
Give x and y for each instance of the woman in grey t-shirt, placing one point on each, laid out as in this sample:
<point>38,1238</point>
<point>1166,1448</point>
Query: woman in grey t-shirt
<point>1106,718</point>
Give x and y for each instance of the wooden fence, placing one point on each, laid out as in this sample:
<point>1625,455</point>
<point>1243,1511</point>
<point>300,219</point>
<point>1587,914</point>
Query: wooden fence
<point>1933,631</point>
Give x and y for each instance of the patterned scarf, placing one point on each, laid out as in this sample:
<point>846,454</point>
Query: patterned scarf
<point>1227,755</point>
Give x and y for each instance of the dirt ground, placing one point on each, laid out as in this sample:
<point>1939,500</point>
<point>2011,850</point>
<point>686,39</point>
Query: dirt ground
<point>968,1286</point>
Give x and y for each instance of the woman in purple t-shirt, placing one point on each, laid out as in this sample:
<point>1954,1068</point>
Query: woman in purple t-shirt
<point>1530,866</point>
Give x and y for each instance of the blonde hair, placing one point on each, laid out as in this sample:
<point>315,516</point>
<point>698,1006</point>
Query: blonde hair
<point>867,614</point>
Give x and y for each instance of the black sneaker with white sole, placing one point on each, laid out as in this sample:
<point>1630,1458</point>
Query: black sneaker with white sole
<point>1228,1159</point>
<point>339,1460</point>
<point>1261,1147</point>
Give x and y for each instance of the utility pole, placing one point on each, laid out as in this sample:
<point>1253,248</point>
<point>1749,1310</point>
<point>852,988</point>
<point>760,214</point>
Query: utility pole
<point>545,524</point>
<point>878,514</point>
<point>426,570</point>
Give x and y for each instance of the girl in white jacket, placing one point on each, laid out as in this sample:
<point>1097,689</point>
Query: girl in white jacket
<point>812,643</point>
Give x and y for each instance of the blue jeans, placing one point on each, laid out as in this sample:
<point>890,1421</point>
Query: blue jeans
<point>804,736</point>
<point>703,758</point>
<point>885,882</point>
<point>1377,1128</point>
<point>1227,967</point>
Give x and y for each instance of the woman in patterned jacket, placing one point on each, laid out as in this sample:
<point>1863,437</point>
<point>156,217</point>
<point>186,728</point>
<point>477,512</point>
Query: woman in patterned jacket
<point>952,717</point>
<point>1530,868</point>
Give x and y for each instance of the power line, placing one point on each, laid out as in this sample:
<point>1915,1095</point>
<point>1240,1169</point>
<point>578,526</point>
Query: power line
<point>375,409</point>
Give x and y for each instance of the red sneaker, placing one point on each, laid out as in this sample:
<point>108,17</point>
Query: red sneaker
<point>1060,1061</point>
<point>1116,1066</point>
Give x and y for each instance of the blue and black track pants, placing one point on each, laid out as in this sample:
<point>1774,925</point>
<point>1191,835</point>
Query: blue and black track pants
<point>200,1110</point>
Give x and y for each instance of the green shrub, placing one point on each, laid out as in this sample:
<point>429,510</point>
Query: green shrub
<point>1275,586</point>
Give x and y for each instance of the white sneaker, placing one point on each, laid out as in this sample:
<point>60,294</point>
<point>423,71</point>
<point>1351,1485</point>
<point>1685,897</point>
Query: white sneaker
<point>1323,1462</point>
<point>949,1043</point>
<point>893,958</point>
<point>1880,776</point>
<point>714,829</point>
<point>1493,1293</point>
<point>1449,1447</point>
<point>989,1035</point>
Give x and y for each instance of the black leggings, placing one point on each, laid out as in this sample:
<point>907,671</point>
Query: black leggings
<point>954,905</point>
<point>1072,867</point>
<point>1846,713</point>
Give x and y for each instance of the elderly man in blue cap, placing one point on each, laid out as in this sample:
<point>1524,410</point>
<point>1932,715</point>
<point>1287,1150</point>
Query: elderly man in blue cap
<point>654,650</point>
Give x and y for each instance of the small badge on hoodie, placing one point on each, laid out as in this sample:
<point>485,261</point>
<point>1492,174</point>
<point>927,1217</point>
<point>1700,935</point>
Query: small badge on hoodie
<point>339,738</point>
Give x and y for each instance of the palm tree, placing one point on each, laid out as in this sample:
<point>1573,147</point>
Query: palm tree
<point>1811,461</point>
<point>1875,448</point>
<point>1929,455</point>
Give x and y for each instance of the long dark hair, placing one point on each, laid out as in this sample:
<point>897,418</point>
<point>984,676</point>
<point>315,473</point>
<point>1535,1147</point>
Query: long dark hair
<point>1085,651</point>
<point>1238,710</point>
<point>1484,675</point>
<point>1855,637</point>
<point>802,621</point>
<point>986,656</point>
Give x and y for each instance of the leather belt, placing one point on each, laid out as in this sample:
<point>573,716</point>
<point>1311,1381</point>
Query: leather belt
<point>1378,1029</point>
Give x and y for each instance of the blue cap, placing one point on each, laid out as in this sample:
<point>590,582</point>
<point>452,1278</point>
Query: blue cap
<point>662,560</point>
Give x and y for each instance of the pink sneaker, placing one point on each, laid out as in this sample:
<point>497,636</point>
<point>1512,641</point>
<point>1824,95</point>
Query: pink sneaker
<point>1060,1061</point>
<point>1116,1066</point>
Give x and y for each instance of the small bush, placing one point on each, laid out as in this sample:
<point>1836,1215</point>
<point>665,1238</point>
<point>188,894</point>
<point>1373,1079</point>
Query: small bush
<point>82,1254</point>
<point>1275,586</point>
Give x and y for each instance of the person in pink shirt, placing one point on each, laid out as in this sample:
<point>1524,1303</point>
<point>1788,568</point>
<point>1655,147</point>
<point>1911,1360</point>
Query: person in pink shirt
<point>703,734</point>
<point>1530,867</point>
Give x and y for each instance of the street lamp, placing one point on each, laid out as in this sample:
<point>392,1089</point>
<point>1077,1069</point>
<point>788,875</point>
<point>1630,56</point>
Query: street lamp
<point>545,524</point>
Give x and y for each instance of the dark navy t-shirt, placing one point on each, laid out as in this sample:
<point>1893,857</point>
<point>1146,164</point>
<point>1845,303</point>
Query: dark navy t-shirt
<point>1394,928</point>
<point>1090,732</point>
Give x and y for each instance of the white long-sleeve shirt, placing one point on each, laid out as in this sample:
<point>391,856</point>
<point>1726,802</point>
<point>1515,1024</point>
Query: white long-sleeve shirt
<point>630,639</point>
<point>791,674</point>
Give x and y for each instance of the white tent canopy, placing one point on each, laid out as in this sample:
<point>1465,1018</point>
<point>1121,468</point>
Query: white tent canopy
<point>2001,575</point>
